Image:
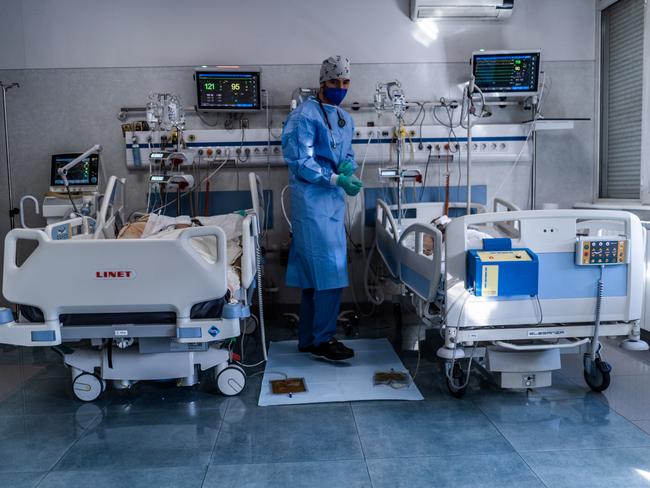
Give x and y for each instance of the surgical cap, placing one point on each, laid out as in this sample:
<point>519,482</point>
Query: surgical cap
<point>335,67</point>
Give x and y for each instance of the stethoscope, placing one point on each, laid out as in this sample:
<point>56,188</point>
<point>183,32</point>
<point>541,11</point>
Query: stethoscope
<point>341,122</point>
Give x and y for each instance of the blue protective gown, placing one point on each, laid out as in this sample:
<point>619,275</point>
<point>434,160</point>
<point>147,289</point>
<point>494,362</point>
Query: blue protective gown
<point>317,258</point>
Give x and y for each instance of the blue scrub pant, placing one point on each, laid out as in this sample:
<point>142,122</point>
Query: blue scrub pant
<point>319,310</point>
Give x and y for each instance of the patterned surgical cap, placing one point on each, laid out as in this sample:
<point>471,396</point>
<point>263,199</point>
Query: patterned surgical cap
<point>335,67</point>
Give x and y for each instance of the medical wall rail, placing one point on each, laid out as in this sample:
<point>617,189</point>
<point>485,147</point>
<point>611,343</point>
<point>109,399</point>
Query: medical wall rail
<point>253,147</point>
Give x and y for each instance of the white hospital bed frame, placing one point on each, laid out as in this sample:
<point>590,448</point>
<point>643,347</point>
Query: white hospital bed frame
<point>519,340</point>
<point>520,350</point>
<point>103,276</point>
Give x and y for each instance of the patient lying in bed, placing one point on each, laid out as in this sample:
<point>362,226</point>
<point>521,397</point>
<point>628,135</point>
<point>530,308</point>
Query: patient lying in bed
<point>154,226</point>
<point>161,227</point>
<point>474,237</point>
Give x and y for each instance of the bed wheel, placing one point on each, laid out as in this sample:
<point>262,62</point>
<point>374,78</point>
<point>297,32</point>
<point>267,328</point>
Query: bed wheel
<point>599,377</point>
<point>87,387</point>
<point>231,380</point>
<point>249,325</point>
<point>459,377</point>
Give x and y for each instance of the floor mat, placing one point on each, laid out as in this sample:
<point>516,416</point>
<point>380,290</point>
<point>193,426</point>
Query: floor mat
<point>328,381</point>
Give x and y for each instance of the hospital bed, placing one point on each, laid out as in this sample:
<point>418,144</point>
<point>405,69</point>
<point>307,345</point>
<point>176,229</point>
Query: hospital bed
<point>127,310</point>
<point>517,338</point>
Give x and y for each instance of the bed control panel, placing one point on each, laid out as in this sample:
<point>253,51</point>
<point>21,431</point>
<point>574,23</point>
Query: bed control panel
<point>77,228</point>
<point>601,251</point>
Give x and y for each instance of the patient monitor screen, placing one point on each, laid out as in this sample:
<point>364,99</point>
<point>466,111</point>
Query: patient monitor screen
<point>228,90</point>
<point>506,73</point>
<point>83,174</point>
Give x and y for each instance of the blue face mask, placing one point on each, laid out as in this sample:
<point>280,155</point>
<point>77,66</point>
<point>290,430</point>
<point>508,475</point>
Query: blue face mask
<point>335,95</point>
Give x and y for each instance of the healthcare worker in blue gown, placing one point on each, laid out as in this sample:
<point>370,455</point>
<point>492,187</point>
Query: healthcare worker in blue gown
<point>317,145</point>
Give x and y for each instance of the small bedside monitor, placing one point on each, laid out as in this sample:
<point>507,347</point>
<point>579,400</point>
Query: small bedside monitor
<point>84,177</point>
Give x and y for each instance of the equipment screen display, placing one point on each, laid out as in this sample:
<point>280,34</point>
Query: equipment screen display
<point>506,73</point>
<point>83,174</point>
<point>220,90</point>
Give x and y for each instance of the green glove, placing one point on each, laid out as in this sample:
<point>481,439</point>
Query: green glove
<point>346,168</point>
<point>350,184</point>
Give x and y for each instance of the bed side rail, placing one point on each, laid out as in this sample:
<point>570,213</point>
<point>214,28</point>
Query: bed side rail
<point>111,210</point>
<point>108,275</point>
<point>427,212</point>
<point>387,236</point>
<point>420,266</point>
<point>508,228</point>
<point>508,206</point>
<point>249,255</point>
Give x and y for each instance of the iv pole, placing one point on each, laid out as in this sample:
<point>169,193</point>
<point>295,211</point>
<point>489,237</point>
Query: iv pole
<point>397,103</point>
<point>470,91</point>
<point>12,211</point>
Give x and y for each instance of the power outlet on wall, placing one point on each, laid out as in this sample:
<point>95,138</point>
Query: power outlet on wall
<point>243,123</point>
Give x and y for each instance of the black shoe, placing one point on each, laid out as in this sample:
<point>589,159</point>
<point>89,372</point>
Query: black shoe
<point>333,350</point>
<point>308,348</point>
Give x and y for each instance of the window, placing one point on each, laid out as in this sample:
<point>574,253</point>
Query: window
<point>621,96</point>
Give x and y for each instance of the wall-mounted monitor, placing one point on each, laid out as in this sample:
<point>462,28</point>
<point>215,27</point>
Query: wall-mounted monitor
<point>507,73</point>
<point>228,90</point>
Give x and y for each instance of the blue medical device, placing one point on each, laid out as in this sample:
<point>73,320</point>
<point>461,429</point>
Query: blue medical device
<point>498,270</point>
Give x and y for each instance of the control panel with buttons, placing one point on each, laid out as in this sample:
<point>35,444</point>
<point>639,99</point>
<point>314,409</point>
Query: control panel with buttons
<point>601,251</point>
<point>76,228</point>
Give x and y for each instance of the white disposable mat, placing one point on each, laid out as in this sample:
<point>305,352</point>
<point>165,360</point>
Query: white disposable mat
<point>329,381</point>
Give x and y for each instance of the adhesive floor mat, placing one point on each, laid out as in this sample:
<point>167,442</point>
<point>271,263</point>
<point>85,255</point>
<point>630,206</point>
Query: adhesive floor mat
<point>329,381</point>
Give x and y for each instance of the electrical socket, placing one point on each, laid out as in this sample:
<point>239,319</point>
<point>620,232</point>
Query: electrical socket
<point>243,123</point>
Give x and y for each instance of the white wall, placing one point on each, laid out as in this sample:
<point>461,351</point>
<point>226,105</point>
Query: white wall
<point>127,33</point>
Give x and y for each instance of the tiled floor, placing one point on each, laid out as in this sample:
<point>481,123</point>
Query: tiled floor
<point>163,436</point>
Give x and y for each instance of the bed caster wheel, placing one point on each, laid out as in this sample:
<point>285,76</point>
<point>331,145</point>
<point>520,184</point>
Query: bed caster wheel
<point>598,376</point>
<point>456,385</point>
<point>231,380</point>
<point>87,387</point>
<point>249,325</point>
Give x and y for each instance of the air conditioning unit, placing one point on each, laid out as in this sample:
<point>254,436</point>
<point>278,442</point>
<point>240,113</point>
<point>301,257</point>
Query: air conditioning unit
<point>461,9</point>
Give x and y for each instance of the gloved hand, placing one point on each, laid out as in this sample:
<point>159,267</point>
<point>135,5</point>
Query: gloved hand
<point>350,184</point>
<point>346,168</point>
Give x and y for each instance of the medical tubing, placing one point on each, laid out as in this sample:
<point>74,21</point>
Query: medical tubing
<point>363,258</point>
<point>362,222</point>
<point>380,298</point>
<point>599,299</point>
<point>543,92</point>
<point>268,136</point>
<point>202,119</point>
<point>453,353</point>
<point>150,173</point>
<point>469,367</point>
<point>207,178</point>
<point>284,210</point>
<point>260,298</point>
<point>426,172</point>
<point>260,293</point>
<point>355,299</point>
<point>517,159</point>
<point>361,197</point>
<point>74,205</point>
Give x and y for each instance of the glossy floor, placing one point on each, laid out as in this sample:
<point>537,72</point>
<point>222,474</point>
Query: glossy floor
<point>163,436</point>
